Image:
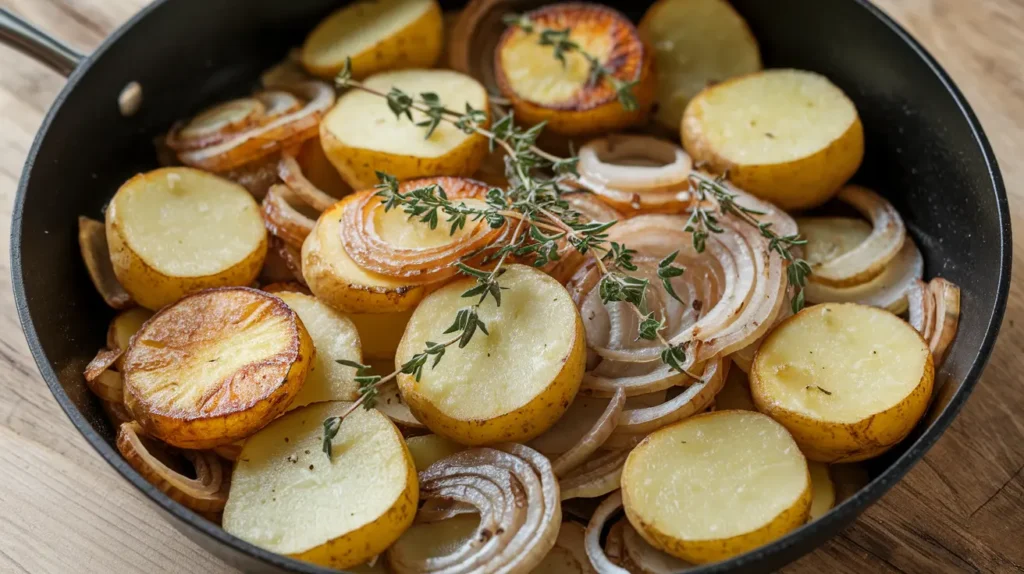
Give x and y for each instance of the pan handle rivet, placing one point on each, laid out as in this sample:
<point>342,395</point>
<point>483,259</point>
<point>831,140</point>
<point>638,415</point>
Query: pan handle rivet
<point>130,99</point>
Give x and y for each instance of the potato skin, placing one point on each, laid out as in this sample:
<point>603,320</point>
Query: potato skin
<point>153,289</point>
<point>834,442</point>
<point>798,184</point>
<point>520,425</point>
<point>358,166</point>
<point>328,285</point>
<point>418,45</point>
<point>194,431</point>
<point>359,546</point>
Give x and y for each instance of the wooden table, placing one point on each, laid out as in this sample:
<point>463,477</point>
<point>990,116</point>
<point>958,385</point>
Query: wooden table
<point>62,509</point>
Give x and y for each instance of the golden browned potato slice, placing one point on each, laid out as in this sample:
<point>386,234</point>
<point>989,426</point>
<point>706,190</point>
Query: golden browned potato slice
<point>216,367</point>
<point>288,497</point>
<point>430,448</point>
<point>696,43</point>
<point>336,280</point>
<point>824,496</point>
<point>335,338</point>
<point>849,381</point>
<point>830,237</point>
<point>361,135</point>
<point>716,485</point>
<point>92,240</point>
<point>377,36</point>
<point>543,88</point>
<point>380,332</point>
<point>178,230</point>
<point>509,385</point>
<point>789,136</point>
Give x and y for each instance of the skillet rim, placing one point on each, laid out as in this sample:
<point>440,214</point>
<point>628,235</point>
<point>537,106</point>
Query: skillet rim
<point>780,551</point>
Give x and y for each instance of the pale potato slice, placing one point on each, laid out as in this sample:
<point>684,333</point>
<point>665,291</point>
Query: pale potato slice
<point>376,36</point>
<point>830,237</point>
<point>849,381</point>
<point>361,135</point>
<point>509,385</point>
<point>178,230</point>
<point>124,325</point>
<point>335,338</point>
<point>336,280</point>
<point>288,497</point>
<point>716,485</point>
<point>542,88</point>
<point>788,136</point>
<point>216,367</point>
<point>430,448</point>
<point>824,495</point>
<point>696,43</point>
<point>380,332</point>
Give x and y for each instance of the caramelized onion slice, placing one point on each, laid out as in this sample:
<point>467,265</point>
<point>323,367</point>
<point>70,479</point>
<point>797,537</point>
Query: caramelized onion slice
<point>947,317</point>
<point>103,360</point>
<point>208,492</point>
<point>282,219</point>
<point>598,559</point>
<point>92,240</point>
<point>291,174</point>
<point>870,258</point>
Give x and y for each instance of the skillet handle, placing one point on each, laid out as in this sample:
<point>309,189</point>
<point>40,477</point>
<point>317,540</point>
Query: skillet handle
<point>33,42</point>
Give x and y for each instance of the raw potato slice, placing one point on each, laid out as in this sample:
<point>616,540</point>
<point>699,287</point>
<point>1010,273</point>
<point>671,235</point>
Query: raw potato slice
<point>430,448</point>
<point>541,88</point>
<point>216,367</point>
<point>509,385</point>
<point>289,498</point>
<point>92,240</point>
<point>849,381</point>
<point>178,230</point>
<point>361,135</point>
<point>824,492</point>
<point>830,237</point>
<point>377,36</point>
<point>380,332</point>
<point>336,280</point>
<point>696,43</point>
<point>716,485</point>
<point>335,338</point>
<point>788,136</point>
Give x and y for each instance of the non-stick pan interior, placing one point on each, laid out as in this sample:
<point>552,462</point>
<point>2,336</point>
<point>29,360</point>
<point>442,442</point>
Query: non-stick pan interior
<point>924,152</point>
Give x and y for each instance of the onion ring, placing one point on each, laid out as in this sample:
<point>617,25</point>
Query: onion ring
<point>919,309</point>
<point>647,558</point>
<point>869,259</point>
<point>598,559</point>
<point>693,400</point>
<point>637,173</point>
<point>888,290</point>
<point>947,317</point>
<point>92,240</point>
<point>103,360</point>
<point>208,492</point>
<point>283,220</point>
<point>593,440</point>
<point>290,172</point>
<point>596,477</point>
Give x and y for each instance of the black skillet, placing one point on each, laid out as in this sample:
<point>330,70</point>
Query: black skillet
<point>925,150</point>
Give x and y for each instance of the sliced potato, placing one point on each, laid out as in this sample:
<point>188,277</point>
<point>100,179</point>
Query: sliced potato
<point>849,381</point>
<point>287,497</point>
<point>216,367</point>
<point>335,338</point>
<point>788,136</point>
<point>830,237</point>
<point>92,240</point>
<point>376,36</point>
<point>361,135</point>
<point>509,385</point>
<point>430,448</point>
<point>380,332</point>
<point>716,485</point>
<point>824,495</point>
<point>696,43</point>
<point>124,325</point>
<point>543,88</point>
<point>178,230</point>
<point>336,280</point>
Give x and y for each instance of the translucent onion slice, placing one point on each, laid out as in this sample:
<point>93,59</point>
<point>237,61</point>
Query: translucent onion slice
<point>291,174</point>
<point>208,492</point>
<point>696,398</point>
<point>92,240</point>
<point>921,308</point>
<point>870,258</point>
<point>580,419</point>
<point>947,317</point>
<point>591,208</point>
<point>598,559</point>
<point>279,128</point>
<point>569,554</point>
<point>646,558</point>
<point>364,220</point>
<point>593,440</point>
<point>888,290</point>
<point>282,219</point>
<point>637,173</point>
<point>597,477</point>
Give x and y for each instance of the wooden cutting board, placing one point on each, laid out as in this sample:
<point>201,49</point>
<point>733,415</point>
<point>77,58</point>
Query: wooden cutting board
<point>62,509</point>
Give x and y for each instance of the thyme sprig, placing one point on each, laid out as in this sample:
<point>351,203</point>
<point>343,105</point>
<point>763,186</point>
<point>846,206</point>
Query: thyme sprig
<point>561,45</point>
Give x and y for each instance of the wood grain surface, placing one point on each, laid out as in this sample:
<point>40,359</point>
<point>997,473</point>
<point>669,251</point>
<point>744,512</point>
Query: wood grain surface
<point>62,509</point>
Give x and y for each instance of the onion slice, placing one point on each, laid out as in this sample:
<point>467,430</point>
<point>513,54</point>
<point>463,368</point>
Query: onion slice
<point>636,173</point>
<point>103,360</point>
<point>291,174</point>
<point>290,256</point>
<point>870,258</point>
<point>947,317</point>
<point>92,240</point>
<point>389,402</point>
<point>283,220</point>
<point>919,307</point>
<point>593,440</point>
<point>597,477</point>
<point>598,559</point>
<point>887,291</point>
<point>696,398</point>
<point>208,492</point>
<point>647,558</point>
